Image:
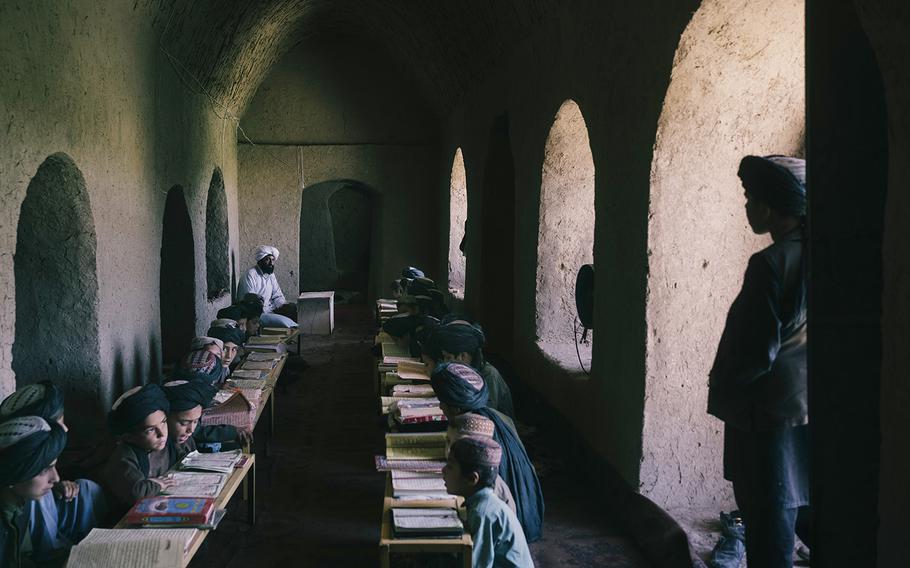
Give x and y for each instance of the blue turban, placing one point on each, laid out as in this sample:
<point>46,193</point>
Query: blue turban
<point>132,408</point>
<point>186,395</point>
<point>460,386</point>
<point>28,445</point>
<point>411,272</point>
<point>457,338</point>
<point>42,399</point>
<point>779,181</point>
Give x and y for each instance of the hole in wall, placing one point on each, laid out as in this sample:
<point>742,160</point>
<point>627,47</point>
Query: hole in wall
<point>178,277</point>
<point>458,215</point>
<point>218,277</point>
<point>565,238</point>
<point>55,269</point>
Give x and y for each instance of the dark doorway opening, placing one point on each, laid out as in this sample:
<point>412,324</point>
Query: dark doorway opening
<point>497,255</point>
<point>336,226</point>
<point>178,278</point>
<point>56,278</point>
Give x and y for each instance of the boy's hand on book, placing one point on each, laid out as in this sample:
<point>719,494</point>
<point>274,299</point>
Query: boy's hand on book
<point>67,490</point>
<point>164,483</point>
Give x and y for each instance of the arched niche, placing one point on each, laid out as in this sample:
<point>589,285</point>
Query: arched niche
<point>336,226</point>
<point>178,277</point>
<point>497,243</point>
<point>737,87</point>
<point>458,216</point>
<point>57,290</point>
<point>565,239</point>
<point>217,270</point>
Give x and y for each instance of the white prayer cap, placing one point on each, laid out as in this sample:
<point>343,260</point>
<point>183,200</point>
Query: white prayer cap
<point>265,250</point>
<point>202,342</point>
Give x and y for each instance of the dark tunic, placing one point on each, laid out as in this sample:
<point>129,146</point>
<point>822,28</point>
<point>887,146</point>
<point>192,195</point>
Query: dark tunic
<point>500,393</point>
<point>128,472</point>
<point>758,381</point>
<point>14,537</point>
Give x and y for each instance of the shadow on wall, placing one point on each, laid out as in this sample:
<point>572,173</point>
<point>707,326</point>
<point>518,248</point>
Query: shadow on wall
<point>336,224</point>
<point>178,277</point>
<point>217,275</point>
<point>57,291</point>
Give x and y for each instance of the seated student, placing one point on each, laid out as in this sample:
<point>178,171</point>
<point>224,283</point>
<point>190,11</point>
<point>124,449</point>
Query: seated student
<point>411,272</point>
<point>397,288</point>
<point>461,389</point>
<point>29,447</point>
<point>236,313</point>
<point>470,471</point>
<point>475,425</point>
<point>261,280</point>
<point>187,400</point>
<point>143,455</point>
<point>252,305</point>
<point>232,340</point>
<point>203,362</point>
<point>407,327</point>
<point>460,342</point>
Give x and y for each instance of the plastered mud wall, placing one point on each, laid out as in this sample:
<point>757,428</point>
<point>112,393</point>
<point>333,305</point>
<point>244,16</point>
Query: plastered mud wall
<point>458,214</point>
<point>335,110</point>
<point>107,97</point>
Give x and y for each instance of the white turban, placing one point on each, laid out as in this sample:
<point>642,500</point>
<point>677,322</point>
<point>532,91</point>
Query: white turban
<point>265,250</point>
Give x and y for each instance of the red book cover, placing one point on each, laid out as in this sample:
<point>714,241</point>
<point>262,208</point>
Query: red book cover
<point>166,510</point>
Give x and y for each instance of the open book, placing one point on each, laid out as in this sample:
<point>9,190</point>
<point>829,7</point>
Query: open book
<point>131,548</point>
<point>426,523</point>
<point>420,446</point>
<point>218,462</point>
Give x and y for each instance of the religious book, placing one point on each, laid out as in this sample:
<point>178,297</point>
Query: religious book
<point>235,410</point>
<point>436,522</point>
<point>409,390</point>
<point>285,331</point>
<point>196,484</point>
<point>131,548</point>
<point>414,411</point>
<point>219,462</point>
<point>390,349</point>
<point>396,360</point>
<point>263,357</point>
<point>385,464</point>
<point>257,365</point>
<point>249,374</point>
<point>246,384</point>
<point>171,511</point>
<point>429,486</point>
<point>417,445</point>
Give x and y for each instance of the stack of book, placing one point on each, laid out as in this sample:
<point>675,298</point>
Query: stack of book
<point>416,411</point>
<point>418,485</point>
<point>175,512</point>
<point>415,446</point>
<point>426,523</point>
<point>266,343</point>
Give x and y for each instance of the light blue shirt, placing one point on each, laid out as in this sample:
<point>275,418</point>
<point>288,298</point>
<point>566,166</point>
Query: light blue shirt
<point>263,285</point>
<point>498,538</point>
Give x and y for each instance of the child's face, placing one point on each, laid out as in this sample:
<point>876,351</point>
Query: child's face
<point>152,434</point>
<point>38,486</point>
<point>456,484</point>
<point>230,351</point>
<point>181,425</point>
<point>252,326</point>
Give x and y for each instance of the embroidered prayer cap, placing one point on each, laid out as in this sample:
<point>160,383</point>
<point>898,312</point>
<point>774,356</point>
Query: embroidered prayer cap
<point>411,273</point>
<point>186,395</point>
<point>779,181</point>
<point>263,251</point>
<point>28,445</point>
<point>42,399</point>
<point>133,406</point>
<point>234,312</point>
<point>476,451</point>
<point>228,335</point>
<point>203,341</point>
<point>459,386</point>
<point>470,424</point>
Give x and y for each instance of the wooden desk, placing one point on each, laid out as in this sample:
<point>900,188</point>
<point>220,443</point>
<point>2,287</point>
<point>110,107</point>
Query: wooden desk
<point>388,544</point>
<point>234,481</point>
<point>267,398</point>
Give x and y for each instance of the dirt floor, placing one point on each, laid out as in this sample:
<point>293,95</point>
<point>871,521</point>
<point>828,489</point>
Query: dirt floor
<point>319,496</point>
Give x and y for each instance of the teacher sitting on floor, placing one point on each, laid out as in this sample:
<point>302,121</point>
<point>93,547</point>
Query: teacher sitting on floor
<point>261,280</point>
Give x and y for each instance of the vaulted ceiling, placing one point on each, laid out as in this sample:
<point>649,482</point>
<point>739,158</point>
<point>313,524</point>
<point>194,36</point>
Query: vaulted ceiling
<point>226,48</point>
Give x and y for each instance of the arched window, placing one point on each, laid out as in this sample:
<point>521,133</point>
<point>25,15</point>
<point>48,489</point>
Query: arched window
<point>218,278</point>
<point>458,216</point>
<point>178,277</point>
<point>57,289</point>
<point>565,235</point>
